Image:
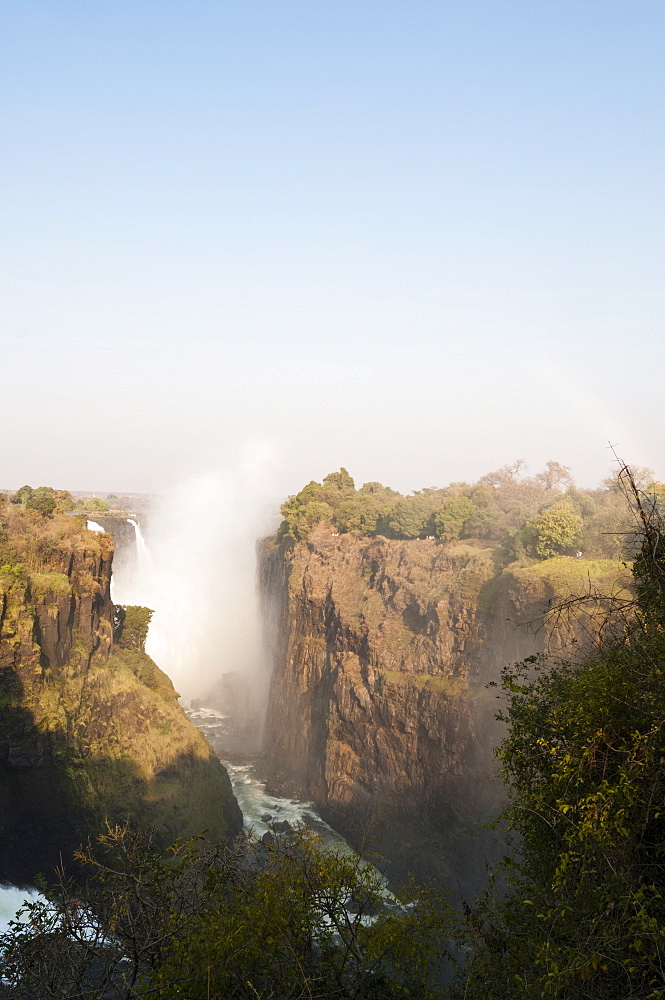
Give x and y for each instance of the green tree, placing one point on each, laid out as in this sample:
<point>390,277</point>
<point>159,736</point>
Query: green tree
<point>299,519</point>
<point>452,516</point>
<point>337,487</point>
<point>103,939</point>
<point>312,491</point>
<point>584,503</point>
<point>64,501</point>
<point>43,499</point>
<point>130,626</point>
<point>556,529</point>
<point>375,487</point>
<point>486,520</point>
<point>297,524</point>
<point>411,516</point>
<point>95,504</point>
<point>311,923</point>
<point>341,481</point>
<point>362,512</point>
<point>21,495</point>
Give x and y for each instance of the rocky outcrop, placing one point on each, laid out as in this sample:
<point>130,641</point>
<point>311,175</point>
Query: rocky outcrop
<point>379,707</point>
<point>88,732</point>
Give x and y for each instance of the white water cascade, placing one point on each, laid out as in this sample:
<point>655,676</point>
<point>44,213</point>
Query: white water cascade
<point>259,808</point>
<point>142,552</point>
<point>131,579</point>
<point>93,526</point>
<point>11,900</point>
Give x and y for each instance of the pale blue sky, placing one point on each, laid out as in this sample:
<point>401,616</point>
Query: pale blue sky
<point>419,239</point>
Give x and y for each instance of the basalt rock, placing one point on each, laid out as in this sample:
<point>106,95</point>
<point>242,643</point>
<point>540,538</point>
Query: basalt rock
<point>379,707</point>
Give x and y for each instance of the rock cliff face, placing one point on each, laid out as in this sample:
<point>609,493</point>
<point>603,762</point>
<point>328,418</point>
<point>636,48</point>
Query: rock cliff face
<point>88,732</point>
<point>379,709</point>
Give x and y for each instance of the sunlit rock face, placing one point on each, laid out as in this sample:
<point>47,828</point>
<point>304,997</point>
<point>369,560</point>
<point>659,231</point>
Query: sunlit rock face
<point>88,732</point>
<point>379,708</point>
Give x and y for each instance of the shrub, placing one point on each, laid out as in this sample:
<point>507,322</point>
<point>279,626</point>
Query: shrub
<point>283,919</point>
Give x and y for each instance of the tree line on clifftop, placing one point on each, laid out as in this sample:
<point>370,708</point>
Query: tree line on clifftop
<point>47,501</point>
<point>524,516</point>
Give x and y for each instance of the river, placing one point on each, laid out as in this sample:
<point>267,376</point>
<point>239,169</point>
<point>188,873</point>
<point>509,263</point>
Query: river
<point>237,751</point>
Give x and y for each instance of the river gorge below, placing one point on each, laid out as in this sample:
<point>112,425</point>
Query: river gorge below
<point>237,749</point>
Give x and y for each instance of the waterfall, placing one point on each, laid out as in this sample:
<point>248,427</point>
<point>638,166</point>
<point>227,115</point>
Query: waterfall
<point>93,526</point>
<point>196,571</point>
<point>131,582</point>
<point>143,558</point>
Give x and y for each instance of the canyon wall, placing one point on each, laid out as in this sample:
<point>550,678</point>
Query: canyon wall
<point>88,732</point>
<point>379,707</point>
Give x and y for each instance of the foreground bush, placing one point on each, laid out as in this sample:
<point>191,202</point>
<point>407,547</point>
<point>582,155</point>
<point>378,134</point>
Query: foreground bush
<point>283,919</point>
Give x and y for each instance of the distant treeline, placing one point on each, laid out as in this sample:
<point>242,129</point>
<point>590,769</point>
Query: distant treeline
<point>47,501</point>
<point>536,516</point>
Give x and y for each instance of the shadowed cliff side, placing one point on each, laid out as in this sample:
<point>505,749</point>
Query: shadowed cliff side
<point>88,731</point>
<point>379,709</point>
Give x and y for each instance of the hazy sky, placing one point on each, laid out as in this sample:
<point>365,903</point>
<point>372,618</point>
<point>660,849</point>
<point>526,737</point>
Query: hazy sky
<point>419,239</point>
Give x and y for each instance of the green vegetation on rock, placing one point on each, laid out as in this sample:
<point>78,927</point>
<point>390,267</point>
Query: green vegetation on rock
<point>131,624</point>
<point>89,730</point>
<point>537,517</point>
<point>54,583</point>
<point>379,708</point>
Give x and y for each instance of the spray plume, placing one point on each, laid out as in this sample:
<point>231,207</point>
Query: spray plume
<point>195,567</point>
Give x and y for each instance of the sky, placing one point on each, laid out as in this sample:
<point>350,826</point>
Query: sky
<point>418,239</point>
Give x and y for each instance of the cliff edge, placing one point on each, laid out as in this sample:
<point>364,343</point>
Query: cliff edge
<point>88,732</point>
<point>379,709</point>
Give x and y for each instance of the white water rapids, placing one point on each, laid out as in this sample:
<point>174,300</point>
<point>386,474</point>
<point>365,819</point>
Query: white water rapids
<point>247,774</point>
<point>11,900</point>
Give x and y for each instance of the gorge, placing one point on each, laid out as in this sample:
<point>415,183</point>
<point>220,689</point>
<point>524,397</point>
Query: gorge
<point>372,674</point>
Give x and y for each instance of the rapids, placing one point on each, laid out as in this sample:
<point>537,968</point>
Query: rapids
<point>247,773</point>
<point>11,900</point>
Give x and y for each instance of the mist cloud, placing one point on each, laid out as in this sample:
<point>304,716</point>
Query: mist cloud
<point>197,573</point>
